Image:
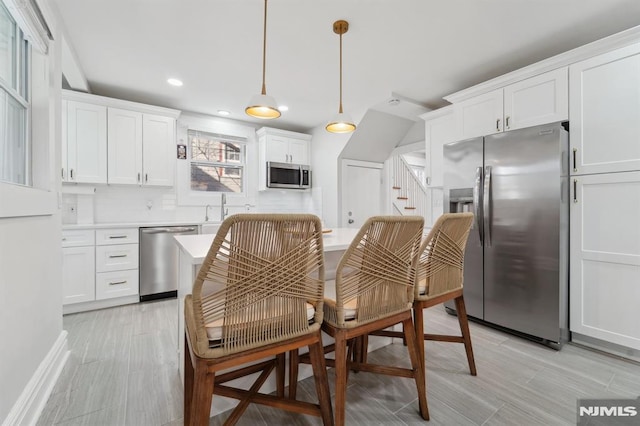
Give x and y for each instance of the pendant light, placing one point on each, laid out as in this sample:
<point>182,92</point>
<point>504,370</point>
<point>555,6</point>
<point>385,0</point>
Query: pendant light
<point>341,123</point>
<point>262,105</point>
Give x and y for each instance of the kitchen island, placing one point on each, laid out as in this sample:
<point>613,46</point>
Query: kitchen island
<point>194,249</point>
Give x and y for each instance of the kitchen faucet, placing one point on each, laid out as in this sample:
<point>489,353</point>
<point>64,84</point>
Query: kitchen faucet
<point>223,212</point>
<point>206,213</point>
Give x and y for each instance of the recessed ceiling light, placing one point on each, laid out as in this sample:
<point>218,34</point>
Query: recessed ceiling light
<point>223,112</point>
<point>283,108</point>
<point>174,82</point>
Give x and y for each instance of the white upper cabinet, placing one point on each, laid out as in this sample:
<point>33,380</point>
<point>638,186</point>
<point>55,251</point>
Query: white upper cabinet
<point>158,150</point>
<point>86,143</point>
<point>283,146</point>
<point>117,142</point>
<point>481,115</point>
<point>440,129</point>
<point>605,112</point>
<point>141,148</point>
<point>536,100</point>
<point>125,146</point>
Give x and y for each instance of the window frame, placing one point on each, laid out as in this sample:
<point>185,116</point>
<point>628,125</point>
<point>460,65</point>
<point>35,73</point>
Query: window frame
<point>42,129</point>
<point>21,94</point>
<point>242,164</point>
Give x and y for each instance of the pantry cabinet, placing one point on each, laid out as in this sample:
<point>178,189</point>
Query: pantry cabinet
<point>605,257</point>
<point>605,112</point>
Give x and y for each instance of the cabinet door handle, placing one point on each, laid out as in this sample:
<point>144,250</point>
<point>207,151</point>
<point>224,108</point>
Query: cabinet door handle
<point>117,255</point>
<point>498,125</point>
<point>575,150</point>
<point>575,190</point>
<point>63,173</point>
<point>138,177</point>
<point>506,122</point>
<point>71,174</point>
<point>146,177</point>
<point>112,237</point>
<point>118,282</point>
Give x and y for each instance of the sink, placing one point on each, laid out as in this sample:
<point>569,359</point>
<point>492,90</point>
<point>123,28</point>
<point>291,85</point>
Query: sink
<point>209,228</point>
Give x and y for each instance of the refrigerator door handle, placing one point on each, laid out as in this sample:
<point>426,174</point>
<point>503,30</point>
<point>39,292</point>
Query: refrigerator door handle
<point>486,210</point>
<point>476,201</point>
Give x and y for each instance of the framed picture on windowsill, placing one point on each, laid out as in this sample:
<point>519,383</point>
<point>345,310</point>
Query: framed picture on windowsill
<point>182,152</point>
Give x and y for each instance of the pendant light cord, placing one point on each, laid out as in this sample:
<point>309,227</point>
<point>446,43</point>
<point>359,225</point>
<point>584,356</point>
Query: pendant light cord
<point>264,50</point>
<point>340,110</point>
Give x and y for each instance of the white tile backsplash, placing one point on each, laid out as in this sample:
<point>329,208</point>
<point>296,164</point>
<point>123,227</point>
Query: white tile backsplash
<point>114,204</point>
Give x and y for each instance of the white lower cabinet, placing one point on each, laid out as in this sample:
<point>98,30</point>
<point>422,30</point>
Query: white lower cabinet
<point>78,274</point>
<point>605,257</point>
<point>99,265</point>
<point>116,284</point>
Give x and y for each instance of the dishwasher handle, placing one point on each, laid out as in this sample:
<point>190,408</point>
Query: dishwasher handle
<point>168,230</point>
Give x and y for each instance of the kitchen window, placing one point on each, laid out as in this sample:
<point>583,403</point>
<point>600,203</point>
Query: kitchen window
<point>217,162</point>
<point>15,143</point>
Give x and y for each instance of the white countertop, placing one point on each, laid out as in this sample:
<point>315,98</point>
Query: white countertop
<point>196,247</point>
<point>133,224</point>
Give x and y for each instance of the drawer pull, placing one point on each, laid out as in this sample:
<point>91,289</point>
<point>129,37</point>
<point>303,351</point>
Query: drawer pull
<point>118,282</point>
<point>113,237</point>
<point>117,255</point>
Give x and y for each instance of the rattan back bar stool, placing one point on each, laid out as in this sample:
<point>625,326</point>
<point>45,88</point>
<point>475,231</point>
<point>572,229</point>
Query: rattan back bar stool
<point>374,290</point>
<point>440,278</point>
<point>258,294</point>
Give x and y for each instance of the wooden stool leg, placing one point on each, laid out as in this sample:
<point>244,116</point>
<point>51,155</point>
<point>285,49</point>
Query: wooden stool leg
<point>418,367</point>
<point>341,376</point>
<point>202,395</point>
<point>293,373</point>
<point>188,383</point>
<point>466,336</point>
<point>280,372</point>
<point>418,315</point>
<point>316,354</point>
<point>364,346</point>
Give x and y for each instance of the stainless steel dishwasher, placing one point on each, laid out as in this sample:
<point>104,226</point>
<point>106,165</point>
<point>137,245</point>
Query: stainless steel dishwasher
<point>159,261</point>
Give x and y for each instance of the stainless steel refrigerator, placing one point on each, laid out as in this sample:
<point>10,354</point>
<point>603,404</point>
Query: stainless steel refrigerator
<point>516,260</point>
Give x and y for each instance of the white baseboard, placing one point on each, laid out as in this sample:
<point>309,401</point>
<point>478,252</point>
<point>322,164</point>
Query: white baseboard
<point>34,396</point>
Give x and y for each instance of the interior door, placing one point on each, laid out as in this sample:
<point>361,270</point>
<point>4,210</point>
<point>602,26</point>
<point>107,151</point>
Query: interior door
<point>361,192</point>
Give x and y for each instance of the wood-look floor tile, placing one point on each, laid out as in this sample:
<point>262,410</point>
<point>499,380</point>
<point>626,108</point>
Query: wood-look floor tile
<point>123,370</point>
<point>509,415</point>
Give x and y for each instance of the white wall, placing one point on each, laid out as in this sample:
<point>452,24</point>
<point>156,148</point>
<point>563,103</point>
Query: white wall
<point>325,149</point>
<point>30,256</point>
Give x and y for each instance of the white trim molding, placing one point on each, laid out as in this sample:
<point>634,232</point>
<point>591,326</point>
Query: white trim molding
<point>34,396</point>
<point>615,41</point>
<point>29,18</point>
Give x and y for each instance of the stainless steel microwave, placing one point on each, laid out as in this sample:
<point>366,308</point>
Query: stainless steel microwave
<point>286,175</point>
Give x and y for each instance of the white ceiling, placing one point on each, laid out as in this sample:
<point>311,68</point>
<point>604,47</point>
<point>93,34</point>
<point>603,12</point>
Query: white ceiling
<point>412,49</point>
